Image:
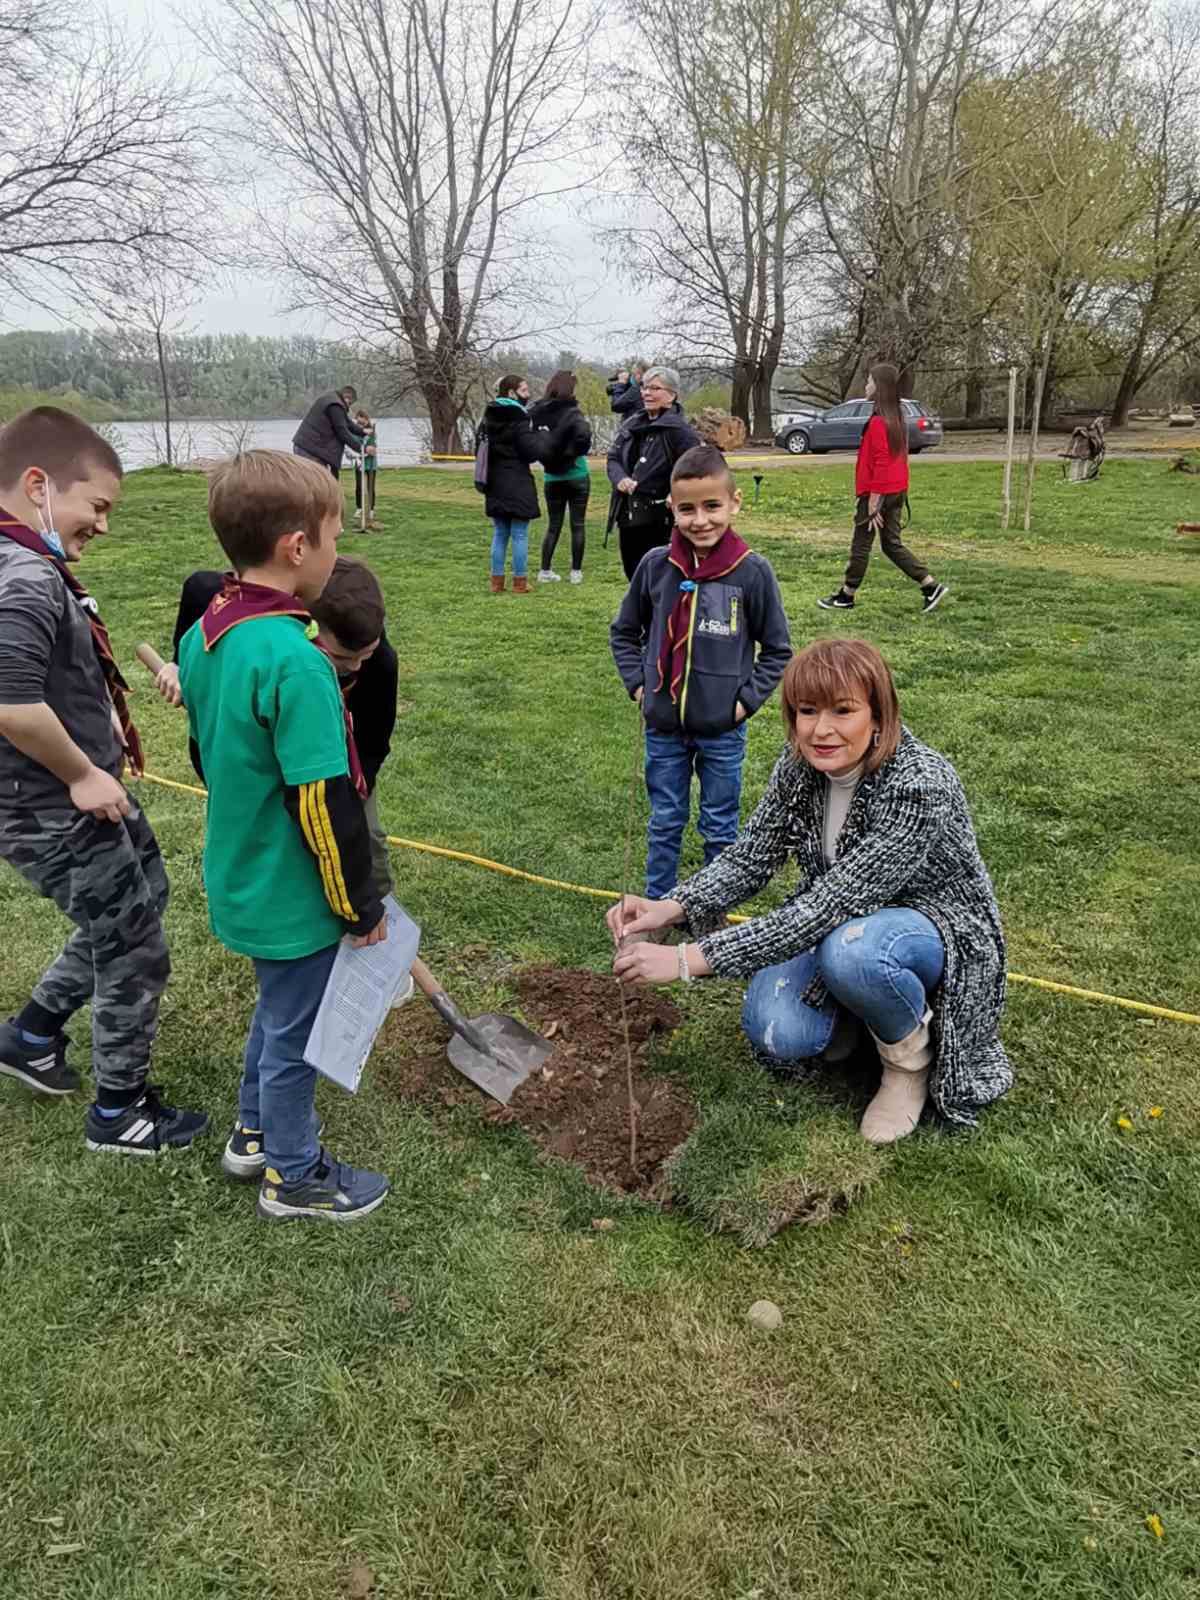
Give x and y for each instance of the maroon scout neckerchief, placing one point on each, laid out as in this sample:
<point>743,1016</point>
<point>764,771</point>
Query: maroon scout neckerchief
<point>729,552</point>
<point>25,536</point>
<point>244,602</point>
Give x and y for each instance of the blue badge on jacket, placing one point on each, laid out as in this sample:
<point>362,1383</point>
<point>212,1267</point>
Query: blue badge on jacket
<point>687,586</point>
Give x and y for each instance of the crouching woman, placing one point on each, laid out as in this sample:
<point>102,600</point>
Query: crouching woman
<point>893,926</point>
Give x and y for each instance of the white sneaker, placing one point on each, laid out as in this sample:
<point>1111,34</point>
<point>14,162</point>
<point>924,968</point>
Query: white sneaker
<point>548,577</point>
<point>576,575</point>
<point>405,994</point>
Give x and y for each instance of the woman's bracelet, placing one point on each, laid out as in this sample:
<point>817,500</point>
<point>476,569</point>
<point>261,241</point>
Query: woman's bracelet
<point>685,974</point>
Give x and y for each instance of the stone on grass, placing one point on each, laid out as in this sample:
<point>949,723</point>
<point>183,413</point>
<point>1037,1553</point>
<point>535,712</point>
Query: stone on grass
<point>765,1314</point>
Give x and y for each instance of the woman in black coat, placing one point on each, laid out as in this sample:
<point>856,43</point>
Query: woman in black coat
<point>645,449</point>
<point>511,495</point>
<point>568,480</point>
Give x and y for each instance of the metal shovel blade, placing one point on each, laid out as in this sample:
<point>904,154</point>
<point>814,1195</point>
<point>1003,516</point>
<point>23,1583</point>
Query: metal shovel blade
<point>512,1052</point>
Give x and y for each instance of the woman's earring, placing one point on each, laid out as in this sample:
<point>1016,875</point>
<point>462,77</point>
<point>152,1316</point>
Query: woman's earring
<point>875,740</point>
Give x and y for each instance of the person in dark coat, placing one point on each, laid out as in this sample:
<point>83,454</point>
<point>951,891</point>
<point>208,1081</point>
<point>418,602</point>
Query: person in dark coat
<point>567,478</point>
<point>625,391</point>
<point>511,499</point>
<point>327,430</point>
<point>891,929</point>
<point>646,448</point>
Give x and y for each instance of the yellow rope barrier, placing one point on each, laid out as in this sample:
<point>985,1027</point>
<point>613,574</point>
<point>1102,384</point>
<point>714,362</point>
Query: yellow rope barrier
<point>1140,1006</point>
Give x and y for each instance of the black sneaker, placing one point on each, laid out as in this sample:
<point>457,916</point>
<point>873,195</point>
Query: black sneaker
<point>245,1155</point>
<point>333,1192</point>
<point>146,1128</point>
<point>40,1067</point>
<point>934,597</point>
<point>838,601</point>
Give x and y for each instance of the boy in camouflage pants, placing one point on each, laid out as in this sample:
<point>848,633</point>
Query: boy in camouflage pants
<point>67,824</point>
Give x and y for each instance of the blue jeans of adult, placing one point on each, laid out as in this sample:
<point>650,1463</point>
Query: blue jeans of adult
<point>880,969</point>
<point>278,1085</point>
<point>671,759</point>
<point>506,529</point>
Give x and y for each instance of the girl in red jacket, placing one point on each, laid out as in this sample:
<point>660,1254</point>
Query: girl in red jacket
<point>881,484</point>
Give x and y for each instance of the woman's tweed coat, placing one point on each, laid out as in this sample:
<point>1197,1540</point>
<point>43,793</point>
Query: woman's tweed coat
<point>907,841</point>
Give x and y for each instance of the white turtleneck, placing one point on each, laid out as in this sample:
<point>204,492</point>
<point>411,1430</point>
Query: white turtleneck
<point>839,792</point>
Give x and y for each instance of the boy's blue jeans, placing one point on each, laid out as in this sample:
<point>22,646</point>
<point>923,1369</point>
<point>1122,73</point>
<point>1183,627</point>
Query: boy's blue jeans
<point>671,759</point>
<point>882,969</point>
<point>277,1083</point>
<point>505,529</point>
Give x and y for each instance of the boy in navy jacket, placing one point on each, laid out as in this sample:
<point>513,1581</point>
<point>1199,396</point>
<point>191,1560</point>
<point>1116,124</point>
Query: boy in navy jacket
<point>700,641</point>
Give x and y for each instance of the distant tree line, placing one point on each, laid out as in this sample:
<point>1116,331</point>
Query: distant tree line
<point>210,375</point>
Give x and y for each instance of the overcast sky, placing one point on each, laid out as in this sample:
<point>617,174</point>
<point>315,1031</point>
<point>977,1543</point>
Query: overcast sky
<point>609,310</point>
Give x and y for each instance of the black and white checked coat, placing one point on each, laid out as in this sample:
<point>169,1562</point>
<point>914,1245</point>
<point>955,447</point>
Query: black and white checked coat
<point>907,841</point>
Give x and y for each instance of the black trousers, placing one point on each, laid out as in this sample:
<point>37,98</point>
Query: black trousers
<point>359,475</point>
<point>569,495</point>
<point>635,542</point>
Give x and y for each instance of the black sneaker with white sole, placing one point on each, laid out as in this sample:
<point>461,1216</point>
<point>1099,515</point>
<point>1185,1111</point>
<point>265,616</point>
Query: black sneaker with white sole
<point>40,1067</point>
<point>333,1192</point>
<point>838,601</point>
<point>934,597</point>
<point>146,1128</point>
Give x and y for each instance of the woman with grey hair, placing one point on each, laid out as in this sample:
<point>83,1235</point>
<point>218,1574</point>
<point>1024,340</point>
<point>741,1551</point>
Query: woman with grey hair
<point>646,447</point>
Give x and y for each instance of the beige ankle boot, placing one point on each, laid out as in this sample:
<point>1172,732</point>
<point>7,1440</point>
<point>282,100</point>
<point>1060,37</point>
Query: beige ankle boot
<point>896,1108</point>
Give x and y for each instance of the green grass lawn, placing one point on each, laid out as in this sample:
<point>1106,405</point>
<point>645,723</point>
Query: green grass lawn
<point>986,1377</point>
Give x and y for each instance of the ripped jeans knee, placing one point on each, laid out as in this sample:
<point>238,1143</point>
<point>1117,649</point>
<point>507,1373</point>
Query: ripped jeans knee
<point>881,969</point>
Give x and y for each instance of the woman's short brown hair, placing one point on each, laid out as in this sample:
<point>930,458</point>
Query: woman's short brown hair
<point>561,386</point>
<point>258,496</point>
<point>829,670</point>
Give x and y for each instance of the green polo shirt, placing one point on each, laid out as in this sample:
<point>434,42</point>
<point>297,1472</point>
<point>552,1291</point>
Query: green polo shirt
<point>265,709</point>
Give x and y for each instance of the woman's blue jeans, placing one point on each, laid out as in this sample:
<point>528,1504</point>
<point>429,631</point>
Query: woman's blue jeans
<point>507,528</point>
<point>881,969</point>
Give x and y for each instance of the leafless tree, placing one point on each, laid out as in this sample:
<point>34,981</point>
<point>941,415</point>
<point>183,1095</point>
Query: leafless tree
<point>103,166</point>
<point>710,123</point>
<point>409,141</point>
<point>145,319</point>
<point>1159,308</point>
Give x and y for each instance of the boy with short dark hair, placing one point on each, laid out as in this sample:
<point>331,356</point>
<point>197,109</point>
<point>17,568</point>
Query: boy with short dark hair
<point>701,641</point>
<point>67,824</point>
<point>287,859</point>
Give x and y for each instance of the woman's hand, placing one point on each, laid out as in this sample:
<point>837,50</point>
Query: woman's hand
<point>647,963</point>
<point>655,963</point>
<point>634,914</point>
<point>739,713</point>
<point>875,512</point>
<point>167,684</point>
<point>627,486</point>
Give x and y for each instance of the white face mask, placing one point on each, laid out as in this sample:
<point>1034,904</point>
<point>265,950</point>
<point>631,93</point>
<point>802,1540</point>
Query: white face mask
<point>49,533</point>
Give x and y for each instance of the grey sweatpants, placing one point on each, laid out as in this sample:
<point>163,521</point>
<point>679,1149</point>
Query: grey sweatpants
<point>381,863</point>
<point>890,543</point>
<point>108,877</point>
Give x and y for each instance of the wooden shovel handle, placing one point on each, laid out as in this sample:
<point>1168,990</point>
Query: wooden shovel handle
<point>150,658</point>
<point>425,980</point>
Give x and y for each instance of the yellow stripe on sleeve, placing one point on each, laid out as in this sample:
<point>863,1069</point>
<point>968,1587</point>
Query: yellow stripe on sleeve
<point>318,831</point>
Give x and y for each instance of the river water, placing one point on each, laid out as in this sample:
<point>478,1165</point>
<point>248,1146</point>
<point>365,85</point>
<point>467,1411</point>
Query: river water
<point>402,440</point>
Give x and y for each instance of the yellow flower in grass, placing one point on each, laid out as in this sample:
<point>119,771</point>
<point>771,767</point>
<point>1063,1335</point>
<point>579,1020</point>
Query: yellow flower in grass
<point>1155,1524</point>
<point>1124,1124</point>
<point>1155,1111</point>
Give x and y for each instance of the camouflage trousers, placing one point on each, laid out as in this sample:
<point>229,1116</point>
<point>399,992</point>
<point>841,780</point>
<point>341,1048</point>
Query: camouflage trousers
<point>109,879</point>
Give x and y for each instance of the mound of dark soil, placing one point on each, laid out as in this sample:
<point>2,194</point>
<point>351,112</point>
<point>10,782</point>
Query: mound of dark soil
<point>577,1107</point>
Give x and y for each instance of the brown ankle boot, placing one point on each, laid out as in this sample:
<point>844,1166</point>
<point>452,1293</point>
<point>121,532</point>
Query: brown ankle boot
<point>520,585</point>
<point>498,585</point>
<point>896,1109</point>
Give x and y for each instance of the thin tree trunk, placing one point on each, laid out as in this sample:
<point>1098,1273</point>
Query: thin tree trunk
<point>740,392</point>
<point>166,390</point>
<point>1033,439</point>
<point>1008,451</point>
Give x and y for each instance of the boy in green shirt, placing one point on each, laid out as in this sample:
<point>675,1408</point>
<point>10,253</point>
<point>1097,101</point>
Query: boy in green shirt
<point>287,855</point>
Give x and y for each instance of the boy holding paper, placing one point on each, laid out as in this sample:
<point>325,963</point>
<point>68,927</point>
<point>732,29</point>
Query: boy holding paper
<point>287,854</point>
